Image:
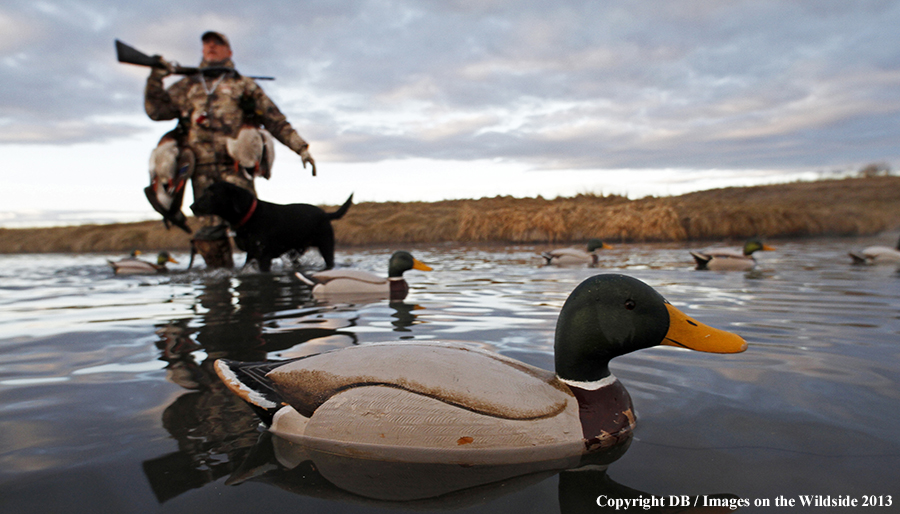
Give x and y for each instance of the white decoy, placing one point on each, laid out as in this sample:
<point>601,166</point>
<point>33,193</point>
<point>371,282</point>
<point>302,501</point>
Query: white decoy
<point>575,256</point>
<point>451,403</point>
<point>877,255</point>
<point>134,266</point>
<point>344,281</point>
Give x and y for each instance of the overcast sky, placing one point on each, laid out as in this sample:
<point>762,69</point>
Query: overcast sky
<point>423,100</point>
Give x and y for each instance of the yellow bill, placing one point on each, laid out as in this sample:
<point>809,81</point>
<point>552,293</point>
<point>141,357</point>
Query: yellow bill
<point>419,265</point>
<point>685,332</point>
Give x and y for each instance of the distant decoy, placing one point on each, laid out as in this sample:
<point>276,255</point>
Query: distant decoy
<point>134,266</point>
<point>575,256</point>
<point>344,281</point>
<point>450,403</point>
<point>728,259</point>
<point>877,255</point>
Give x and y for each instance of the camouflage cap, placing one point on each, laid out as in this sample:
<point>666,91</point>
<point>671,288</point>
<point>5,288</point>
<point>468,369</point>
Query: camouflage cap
<point>210,34</point>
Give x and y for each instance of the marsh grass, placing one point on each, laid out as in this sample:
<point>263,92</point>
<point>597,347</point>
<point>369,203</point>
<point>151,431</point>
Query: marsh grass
<point>845,207</point>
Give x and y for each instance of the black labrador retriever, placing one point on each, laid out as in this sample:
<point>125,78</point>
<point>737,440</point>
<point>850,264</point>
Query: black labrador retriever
<point>267,230</point>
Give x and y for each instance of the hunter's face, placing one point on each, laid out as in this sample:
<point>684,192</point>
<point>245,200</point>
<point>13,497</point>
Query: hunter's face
<point>214,51</point>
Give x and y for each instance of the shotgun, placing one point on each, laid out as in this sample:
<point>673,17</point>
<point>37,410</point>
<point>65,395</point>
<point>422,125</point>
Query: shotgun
<point>130,55</point>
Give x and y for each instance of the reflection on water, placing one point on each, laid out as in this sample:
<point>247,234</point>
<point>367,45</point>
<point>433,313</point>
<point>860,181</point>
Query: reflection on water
<point>106,382</point>
<point>247,318</point>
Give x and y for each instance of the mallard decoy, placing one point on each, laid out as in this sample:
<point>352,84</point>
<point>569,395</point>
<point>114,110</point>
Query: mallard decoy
<point>729,259</point>
<point>356,282</point>
<point>417,401</point>
<point>877,255</point>
<point>135,266</point>
<point>575,256</point>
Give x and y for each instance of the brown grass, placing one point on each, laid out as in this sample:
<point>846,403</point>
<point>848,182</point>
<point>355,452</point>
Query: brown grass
<point>829,207</point>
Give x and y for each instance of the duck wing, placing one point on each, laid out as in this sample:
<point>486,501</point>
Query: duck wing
<point>881,254</point>
<point>134,267</point>
<point>723,259</point>
<point>567,256</point>
<point>568,252</point>
<point>463,376</point>
<point>725,253</point>
<point>324,277</point>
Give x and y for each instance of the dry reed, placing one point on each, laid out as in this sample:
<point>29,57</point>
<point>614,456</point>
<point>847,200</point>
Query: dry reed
<point>828,207</point>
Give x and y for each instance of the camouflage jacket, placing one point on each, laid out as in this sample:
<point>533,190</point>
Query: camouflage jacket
<point>215,108</point>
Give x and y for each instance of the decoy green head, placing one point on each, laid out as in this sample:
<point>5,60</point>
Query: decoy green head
<point>595,244</point>
<point>402,261</point>
<point>755,244</point>
<point>163,257</point>
<point>610,315</point>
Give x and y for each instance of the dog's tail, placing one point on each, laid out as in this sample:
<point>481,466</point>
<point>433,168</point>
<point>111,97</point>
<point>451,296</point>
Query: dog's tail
<point>338,214</point>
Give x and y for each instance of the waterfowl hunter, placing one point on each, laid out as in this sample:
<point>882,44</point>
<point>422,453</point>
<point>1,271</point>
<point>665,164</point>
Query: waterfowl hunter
<point>357,282</point>
<point>450,403</point>
<point>575,256</point>
<point>729,259</point>
<point>134,266</point>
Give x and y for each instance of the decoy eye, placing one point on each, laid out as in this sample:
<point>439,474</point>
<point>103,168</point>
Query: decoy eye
<point>630,305</point>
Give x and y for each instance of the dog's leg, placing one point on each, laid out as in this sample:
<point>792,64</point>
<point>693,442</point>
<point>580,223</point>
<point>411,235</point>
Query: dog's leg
<point>326,247</point>
<point>327,253</point>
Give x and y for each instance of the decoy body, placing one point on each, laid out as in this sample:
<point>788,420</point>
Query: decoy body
<point>134,266</point>
<point>447,402</point>
<point>356,282</point>
<point>728,259</point>
<point>253,151</point>
<point>877,255</point>
<point>575,256</point>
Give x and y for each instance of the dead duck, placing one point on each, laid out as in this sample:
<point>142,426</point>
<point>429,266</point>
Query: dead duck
<point>134,266</point>
<point>575,256</point>
<point>345,281</point>
<point>729,259</point>
<point>446,402</point>
<point>877,255</point>
<point>171,166</point>
<point>253,151</point>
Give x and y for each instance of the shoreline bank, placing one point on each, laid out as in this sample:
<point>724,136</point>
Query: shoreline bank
<point>837,207</point>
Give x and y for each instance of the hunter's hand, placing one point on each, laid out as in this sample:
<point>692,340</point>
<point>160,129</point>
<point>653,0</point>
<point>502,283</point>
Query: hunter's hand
<point>307,158</point>
<point>164,68</point>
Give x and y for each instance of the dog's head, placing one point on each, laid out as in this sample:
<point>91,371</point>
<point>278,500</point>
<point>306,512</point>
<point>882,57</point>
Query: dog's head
<point>223,199</point>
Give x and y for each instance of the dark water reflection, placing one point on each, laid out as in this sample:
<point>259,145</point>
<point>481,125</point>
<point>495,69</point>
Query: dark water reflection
<point>108,400</point>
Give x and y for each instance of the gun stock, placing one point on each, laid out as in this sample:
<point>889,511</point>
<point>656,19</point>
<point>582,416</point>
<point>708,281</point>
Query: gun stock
<point>130,55</point>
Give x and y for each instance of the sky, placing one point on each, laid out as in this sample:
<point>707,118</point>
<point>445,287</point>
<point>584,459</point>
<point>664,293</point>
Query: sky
<point>423,100</point>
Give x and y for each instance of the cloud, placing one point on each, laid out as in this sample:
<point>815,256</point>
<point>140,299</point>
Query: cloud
<point>568,84</point>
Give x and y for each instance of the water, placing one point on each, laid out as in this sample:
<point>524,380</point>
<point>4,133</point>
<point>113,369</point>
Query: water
<point>108,402</point>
